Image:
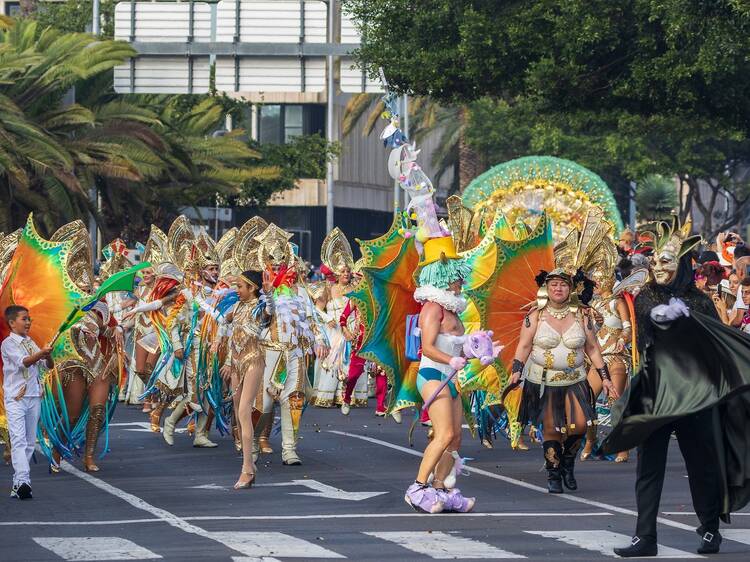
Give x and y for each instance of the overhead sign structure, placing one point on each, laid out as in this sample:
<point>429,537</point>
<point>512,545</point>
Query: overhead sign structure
<point>256,46</point>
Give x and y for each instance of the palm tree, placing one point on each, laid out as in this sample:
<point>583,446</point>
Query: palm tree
<point>656,198</point>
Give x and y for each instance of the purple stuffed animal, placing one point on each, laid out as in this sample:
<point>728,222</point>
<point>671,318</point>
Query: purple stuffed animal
<point>479,345</point>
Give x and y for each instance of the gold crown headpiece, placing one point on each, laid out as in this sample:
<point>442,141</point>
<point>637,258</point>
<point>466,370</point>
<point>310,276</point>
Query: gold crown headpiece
<point>336,253</point>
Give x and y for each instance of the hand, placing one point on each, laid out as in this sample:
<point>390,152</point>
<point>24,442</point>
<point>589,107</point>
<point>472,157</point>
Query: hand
<point>321,351</point>
<point>267,282</point>
<point>620,346</point>
<point>21,393</point>
<point>457,363</point>
<point>127,315</point>
<point>226,373</point>
<point>46,351</point>
<point>515,378</point>
<point>598,318</point>
<point>609,390</point>
<point>119,340</point>
<point>179,354</point>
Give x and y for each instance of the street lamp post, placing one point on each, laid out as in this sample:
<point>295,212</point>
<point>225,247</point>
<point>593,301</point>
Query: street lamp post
<point>329,119</point>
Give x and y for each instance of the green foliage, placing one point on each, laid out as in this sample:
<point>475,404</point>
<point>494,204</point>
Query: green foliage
<point>656,198</point>
<point>75,16</point>
<point>302,157</point>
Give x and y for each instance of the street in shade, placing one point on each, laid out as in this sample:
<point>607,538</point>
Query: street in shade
<point>345,502</point>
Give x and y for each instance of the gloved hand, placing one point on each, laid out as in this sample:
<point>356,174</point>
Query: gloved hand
<point>667,313</point>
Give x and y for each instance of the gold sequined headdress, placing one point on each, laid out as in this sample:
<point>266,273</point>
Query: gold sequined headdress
<point>181,240</point>
<point>336,253</point>
<point>157,247</point>
<point>117,260</point>
<point>674,238</point>
<point>80,266</point>
<point>275,249</point>
<point>207,246</point>
<point>245,254</point>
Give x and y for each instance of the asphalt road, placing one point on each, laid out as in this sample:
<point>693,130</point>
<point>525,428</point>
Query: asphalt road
<point>151,501</point>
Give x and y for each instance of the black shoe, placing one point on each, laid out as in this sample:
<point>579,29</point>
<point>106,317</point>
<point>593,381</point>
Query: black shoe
<point>638,547</point>
<point>710,543</point>
<point>24,491</point>
<point>554,481</point>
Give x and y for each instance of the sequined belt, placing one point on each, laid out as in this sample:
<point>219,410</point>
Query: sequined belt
<point>538,374</point>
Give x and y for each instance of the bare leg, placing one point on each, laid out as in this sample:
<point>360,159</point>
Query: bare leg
<point>445,464</point>
<point>441,414</point>
<point>619,374</point>
<point>248,393</point>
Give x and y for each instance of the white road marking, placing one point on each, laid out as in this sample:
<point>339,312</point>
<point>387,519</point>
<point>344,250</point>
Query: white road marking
<point>142,427</point>
<point>520,483</point>
<point>504,514</point>
<point>81,549</point>
<point>211,487</point>
<point>442,546</point>
<point>263,545</point>
<point>737,535</point>
<point>604,541</point>
<point>739,513</point>
<point>324,490</point>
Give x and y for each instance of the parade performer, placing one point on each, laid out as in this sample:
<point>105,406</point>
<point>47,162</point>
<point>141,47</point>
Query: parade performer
<point>8,244</point>
<point>245,361</point>
<point>550,356</point>
<point>694,382</point>
<point>331,373</point>
<point>88,383</point>
<point>288,339</point>
<point>439,292</point>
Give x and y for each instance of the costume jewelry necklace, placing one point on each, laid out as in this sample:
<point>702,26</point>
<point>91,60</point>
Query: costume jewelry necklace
<point>559,313</point>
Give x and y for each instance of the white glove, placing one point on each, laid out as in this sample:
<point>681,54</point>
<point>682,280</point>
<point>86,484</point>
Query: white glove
<point>666,313</point>
<point>147,307</point>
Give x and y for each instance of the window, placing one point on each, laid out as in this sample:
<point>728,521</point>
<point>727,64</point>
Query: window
<point>280,123</point>
<point>13,9</point>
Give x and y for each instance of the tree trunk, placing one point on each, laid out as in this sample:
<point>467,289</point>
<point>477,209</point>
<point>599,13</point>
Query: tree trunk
<point>469,160</point>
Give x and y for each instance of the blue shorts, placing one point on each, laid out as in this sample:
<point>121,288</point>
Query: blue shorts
<point>430,374</point>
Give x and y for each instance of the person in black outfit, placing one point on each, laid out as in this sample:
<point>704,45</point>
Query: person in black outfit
<point>693,372</point>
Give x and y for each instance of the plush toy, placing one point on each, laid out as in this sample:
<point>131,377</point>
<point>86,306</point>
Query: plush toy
<point>479,345</point>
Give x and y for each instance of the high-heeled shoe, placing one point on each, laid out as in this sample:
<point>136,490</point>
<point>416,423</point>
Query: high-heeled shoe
<point>622,456</point>
<point>245,485</point>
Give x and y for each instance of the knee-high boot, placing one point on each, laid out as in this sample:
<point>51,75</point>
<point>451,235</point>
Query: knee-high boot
<point>288,437</point>
<point>264,435</point>
<point>155,417</point>
<point>201,433</point>
<point>568,462</point>
<point>552,458</point>
<point>93,427</point>
<point>172,420</point>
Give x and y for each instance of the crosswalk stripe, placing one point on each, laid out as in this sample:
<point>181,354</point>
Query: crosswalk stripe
<point>94,549</point>
<point>442,546</point>
<point>604,541</point>
<point>267,546</point>
<point>738,535</point>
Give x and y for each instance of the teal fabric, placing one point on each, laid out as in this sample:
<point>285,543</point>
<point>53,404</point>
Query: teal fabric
<point>428,374</point>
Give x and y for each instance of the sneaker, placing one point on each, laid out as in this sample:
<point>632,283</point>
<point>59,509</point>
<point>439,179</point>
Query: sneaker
<point>345,409</point>
<point>423,498</point>
<point>24,491</point>
<point>454,501</point>
<point>14,491</point>
<point>380,414</point>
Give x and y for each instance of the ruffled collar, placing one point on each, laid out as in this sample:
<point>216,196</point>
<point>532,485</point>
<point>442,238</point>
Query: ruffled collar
<point>449,301</point>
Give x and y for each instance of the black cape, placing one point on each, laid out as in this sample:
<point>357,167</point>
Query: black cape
<point>694,364</point>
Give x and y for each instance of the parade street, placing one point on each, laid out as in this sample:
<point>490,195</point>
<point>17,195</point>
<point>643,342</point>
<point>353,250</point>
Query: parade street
<point>151,501</point>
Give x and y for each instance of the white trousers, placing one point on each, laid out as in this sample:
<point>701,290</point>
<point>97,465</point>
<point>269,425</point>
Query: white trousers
<point>23,417</point>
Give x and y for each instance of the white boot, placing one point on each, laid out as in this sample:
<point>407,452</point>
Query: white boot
<point>201,433</point>
<point>288,439</point>
<point>345,408</point>
<point>171,422</point>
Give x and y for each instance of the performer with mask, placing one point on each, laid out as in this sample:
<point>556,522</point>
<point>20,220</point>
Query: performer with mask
<point>694,381</point>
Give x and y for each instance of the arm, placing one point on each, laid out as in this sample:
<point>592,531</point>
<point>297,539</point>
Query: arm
<point>525,343</point>
<point>627,333</point>
<point>594,352</point>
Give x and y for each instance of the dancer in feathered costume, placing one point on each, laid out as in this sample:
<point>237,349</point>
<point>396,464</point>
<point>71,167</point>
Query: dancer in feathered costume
<point>88,384</point>
<point>291,335</point>
<point>331,373</point>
